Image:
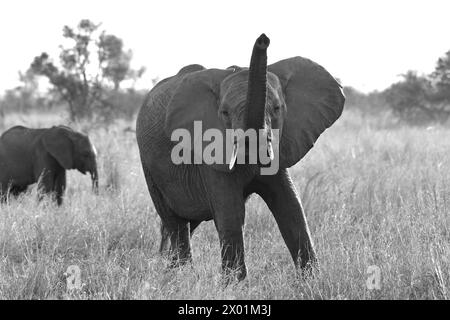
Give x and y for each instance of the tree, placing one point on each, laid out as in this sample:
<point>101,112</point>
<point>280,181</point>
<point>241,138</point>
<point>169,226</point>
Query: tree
<point>409,99</point>
<point>114,61</point>
<point>423,98</point>
<point>25,96</point>
<point>416,100</point>
<point>441,79</point>
<point>369,103</point>
<point>83,79</point>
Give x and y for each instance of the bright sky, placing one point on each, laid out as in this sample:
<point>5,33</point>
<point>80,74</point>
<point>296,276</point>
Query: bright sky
<point>366,44</point>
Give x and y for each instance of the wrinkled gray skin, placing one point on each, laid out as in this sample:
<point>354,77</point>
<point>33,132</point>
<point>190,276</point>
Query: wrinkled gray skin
<point>295,95</point>
<point>27,155</point>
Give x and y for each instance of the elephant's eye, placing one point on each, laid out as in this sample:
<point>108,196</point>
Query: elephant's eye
<point>277,109</point>
<point>225,113</point>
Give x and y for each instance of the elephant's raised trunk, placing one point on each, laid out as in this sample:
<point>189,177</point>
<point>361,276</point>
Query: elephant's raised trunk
<point>254,116</point>
<point>257,80</point>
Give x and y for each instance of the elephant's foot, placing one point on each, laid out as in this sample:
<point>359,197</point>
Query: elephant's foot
<point>233,263</point>
<point>179,258</point>
<point>308,265</point>
<point>309,271</point>
<point>233,274</point>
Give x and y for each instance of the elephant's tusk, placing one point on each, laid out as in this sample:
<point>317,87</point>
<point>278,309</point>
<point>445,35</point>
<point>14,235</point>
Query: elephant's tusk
<point>270,150</point>
<point>234,155</point>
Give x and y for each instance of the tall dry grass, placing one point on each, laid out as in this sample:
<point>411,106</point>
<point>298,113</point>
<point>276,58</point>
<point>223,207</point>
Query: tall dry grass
<point>375,193</point>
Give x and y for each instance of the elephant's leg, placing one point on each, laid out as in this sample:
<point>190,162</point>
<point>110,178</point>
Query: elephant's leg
<point>228,206</point>
<point>180,246</point>
<point>17,190</point>
<point>59,186</point>
<point>2,192</point>
<point>174,231</point>
<point>13,191</point>
<point>230,229</point>
<point>177,231</point>
<point>279,193</point>
<point>165,235</point>
<point>172,227</point>
<point>165,239</point>
<point>46,182</point>
<point>192,226</point>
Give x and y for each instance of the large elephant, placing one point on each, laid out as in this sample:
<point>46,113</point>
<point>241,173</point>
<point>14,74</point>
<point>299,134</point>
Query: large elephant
<point>31,155</point>
<point>296,96</point>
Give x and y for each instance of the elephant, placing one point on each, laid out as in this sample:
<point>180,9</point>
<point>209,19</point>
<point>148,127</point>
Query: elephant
<point>295,96</point>
<point>43,155</point>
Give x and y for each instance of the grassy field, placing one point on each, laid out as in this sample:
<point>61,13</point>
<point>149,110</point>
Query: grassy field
<point>375,193</point>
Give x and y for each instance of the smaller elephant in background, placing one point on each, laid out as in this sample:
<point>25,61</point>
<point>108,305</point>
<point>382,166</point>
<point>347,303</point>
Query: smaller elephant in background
<point>43,155</point>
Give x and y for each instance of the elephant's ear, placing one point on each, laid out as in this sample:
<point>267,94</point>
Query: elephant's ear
<point>59,145</point>
<point>314,101</point>
<point>196,99</point>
